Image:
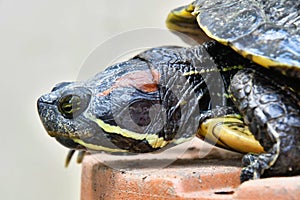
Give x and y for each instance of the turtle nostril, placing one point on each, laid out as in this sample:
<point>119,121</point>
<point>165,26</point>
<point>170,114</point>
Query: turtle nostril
<point>43,101</point>
<point>40,100</point>
<point>49,98</point>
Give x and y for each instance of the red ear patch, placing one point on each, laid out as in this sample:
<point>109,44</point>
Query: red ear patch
<point>145,81</point>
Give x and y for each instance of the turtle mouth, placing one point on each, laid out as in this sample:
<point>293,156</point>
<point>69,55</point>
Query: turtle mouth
<point>69,143</point>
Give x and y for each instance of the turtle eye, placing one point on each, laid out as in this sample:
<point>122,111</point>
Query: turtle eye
<point>71,106</point>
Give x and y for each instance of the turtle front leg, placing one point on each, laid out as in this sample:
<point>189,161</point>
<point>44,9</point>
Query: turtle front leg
<point>271,111</point>
<point>254,165</point>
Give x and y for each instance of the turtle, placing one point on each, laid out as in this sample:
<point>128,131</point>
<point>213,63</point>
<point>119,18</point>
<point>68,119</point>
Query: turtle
<point>217,90</point>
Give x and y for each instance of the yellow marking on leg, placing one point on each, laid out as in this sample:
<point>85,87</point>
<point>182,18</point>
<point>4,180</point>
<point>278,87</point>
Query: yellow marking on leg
<point>231,133</point>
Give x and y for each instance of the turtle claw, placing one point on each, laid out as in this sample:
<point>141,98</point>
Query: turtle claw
<point>80,156</point>
<point>247,174</point>
<point>70,154</point>
<point>69,157</point>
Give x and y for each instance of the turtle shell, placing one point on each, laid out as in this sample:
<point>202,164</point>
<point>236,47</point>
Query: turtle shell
<point>266,32</point>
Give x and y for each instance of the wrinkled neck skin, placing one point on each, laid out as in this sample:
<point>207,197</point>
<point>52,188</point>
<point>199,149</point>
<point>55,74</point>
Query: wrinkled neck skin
<point>200,75</point>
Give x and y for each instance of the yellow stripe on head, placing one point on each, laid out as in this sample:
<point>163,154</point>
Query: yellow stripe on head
<point>97,147</point>
<point>153,140</point>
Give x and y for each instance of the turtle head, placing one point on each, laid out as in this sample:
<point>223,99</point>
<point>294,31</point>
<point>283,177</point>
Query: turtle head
<point>122,109</point>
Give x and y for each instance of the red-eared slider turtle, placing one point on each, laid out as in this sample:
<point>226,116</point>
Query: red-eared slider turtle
<point>167,95</point>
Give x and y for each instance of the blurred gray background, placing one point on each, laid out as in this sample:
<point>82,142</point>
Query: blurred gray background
<point>44,42</point>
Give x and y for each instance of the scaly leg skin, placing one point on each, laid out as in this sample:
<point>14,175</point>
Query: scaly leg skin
<point>255,164</point>
<point>271,110</point>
